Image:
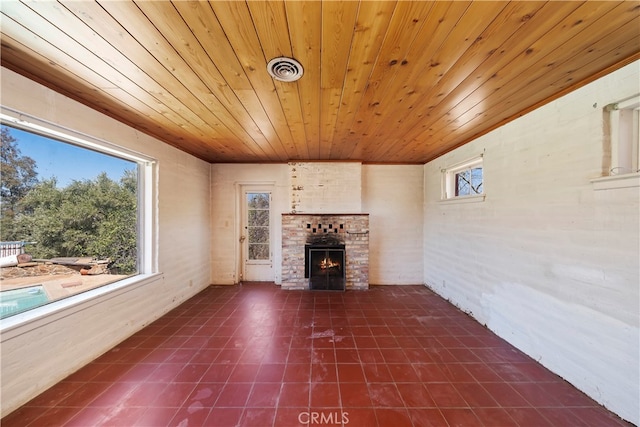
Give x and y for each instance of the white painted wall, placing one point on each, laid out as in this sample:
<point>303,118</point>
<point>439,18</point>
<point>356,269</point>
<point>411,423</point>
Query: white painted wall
<point>546,261</point>
<point>325,187</point>
<point>392,195</point>
<point>226,182</point>
<point>38,356</point>
<point>395,217</point>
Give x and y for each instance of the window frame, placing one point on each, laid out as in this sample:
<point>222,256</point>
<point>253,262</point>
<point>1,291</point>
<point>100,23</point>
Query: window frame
<point>623,122</point>
<point>147,252</point>
<point>449,174</point>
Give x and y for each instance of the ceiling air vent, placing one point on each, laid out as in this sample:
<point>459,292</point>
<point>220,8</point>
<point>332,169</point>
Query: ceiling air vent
<point>285,69</point>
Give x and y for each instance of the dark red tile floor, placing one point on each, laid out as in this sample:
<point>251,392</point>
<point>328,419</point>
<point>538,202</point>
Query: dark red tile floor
<point>254,355</point>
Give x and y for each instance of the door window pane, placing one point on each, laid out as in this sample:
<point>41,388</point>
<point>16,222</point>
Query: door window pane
<point>259,218</point>
<point>258,226</point>
<point>258,251</point>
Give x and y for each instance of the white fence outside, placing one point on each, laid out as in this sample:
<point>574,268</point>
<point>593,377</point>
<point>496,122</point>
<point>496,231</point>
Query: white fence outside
<point>12,248</point>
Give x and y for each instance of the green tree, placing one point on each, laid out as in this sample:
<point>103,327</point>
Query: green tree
<point>18,176</point>
<point>96,218</point>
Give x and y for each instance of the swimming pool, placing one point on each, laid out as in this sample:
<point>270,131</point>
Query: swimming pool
<point>17,300</point>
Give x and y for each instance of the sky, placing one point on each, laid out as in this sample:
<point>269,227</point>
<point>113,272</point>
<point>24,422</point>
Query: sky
<point>67,162</point>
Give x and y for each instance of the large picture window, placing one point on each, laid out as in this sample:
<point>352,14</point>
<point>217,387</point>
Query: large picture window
<point>73,215</point>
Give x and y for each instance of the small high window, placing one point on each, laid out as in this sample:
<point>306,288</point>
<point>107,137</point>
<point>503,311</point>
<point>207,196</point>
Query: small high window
<point>622,126</point>
<point>463,180</point>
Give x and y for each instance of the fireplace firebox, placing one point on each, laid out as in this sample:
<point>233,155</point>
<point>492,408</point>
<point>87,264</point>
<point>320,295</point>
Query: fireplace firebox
<point>324,266</point>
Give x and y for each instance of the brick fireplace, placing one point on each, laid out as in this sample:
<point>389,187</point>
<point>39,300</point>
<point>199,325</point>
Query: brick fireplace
<point>300,230</point>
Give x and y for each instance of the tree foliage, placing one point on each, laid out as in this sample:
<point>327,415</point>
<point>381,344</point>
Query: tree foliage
<point>95,218</point>
<point>18,175</point>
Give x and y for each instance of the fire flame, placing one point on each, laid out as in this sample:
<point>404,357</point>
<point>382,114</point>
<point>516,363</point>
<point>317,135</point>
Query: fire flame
<point>328,263</point>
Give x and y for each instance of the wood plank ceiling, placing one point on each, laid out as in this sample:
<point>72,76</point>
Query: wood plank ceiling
<point>384,81</point>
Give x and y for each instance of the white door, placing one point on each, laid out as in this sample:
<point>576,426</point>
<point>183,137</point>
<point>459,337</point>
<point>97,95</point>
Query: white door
<point>257,250</point>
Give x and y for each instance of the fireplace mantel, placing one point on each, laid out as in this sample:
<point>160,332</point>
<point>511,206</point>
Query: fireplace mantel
<point>298,229</point>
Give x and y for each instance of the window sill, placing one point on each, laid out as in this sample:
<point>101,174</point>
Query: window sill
<point>628,180</point>
<point>464,199</point>
<point>21,323</point>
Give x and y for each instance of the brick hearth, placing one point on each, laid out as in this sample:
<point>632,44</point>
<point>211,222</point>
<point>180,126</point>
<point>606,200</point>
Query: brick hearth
<point>350,229</point>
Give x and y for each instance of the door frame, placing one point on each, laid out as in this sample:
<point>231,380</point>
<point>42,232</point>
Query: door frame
<point>243,187</point>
